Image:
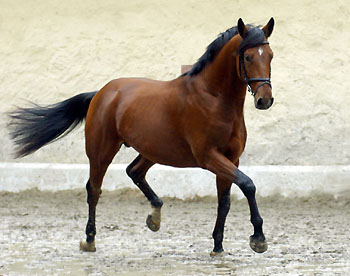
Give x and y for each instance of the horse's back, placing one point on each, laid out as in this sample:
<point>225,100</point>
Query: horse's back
<point>119,93</point>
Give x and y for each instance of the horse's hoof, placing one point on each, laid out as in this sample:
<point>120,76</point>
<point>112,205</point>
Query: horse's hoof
<point>87,246</point>
<point>217,253</point>
<point>259,245</point>
<point>153,225</point>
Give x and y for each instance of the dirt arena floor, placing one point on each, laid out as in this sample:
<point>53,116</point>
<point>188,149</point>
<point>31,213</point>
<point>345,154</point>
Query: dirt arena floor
<point>40,234</point>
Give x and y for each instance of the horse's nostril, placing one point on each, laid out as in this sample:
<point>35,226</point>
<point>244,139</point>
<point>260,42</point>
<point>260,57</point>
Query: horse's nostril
<point>260,103</point>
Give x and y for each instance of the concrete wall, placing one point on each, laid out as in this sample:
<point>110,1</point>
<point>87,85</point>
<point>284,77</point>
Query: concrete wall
<point>286,181</point>
<point>52,50</point>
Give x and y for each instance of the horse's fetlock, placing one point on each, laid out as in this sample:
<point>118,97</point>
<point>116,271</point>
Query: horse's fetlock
<point>257,221</point>
<point>218,236</point>
<point>90,229</point>
<point>157,203</point>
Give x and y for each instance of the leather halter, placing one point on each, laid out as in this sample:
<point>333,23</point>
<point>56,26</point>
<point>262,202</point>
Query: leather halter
<point>250,80</point>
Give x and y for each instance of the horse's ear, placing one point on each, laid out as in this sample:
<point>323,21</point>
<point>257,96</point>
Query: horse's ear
<point>269,27</point>
<point>242,28</point>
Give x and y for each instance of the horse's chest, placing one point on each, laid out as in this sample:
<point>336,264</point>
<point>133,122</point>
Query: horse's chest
<point>230,140</point>
<point>226,130</point>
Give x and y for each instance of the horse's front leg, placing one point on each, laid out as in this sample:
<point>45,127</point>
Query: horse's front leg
<point>224,169</point>
<point>257,240</point>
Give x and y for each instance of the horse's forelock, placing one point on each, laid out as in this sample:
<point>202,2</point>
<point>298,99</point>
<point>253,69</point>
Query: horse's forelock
<point>255,36</point>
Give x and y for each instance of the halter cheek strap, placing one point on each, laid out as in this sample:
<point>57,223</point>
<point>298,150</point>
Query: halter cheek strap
<point>248,81</point>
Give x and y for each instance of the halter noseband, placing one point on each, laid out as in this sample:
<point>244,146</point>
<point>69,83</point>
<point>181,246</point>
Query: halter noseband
<point>247,80</point>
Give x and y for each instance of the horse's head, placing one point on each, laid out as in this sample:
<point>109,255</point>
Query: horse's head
<point>254,62</point>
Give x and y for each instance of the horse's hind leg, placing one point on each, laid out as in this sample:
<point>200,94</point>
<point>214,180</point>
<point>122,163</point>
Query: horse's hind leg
<point>93,188</point>
<point>137,171</point>
<point>100,158</point>
<point>224,203</point>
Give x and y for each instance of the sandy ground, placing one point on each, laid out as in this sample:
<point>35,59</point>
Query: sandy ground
<point>40,233</point>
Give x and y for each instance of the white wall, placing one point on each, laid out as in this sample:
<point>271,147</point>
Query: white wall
<point>52,50</point>
<point>286,181</point>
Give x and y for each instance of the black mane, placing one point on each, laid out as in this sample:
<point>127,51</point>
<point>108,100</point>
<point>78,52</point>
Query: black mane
<point>254,37</point>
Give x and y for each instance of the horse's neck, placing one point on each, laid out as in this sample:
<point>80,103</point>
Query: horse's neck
<point>221,78</point>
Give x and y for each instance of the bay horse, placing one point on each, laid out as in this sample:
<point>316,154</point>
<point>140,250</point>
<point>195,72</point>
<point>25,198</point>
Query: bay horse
<point>195,120</point>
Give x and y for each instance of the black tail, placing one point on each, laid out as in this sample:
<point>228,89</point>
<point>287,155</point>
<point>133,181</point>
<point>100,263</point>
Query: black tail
<point>34,127</point>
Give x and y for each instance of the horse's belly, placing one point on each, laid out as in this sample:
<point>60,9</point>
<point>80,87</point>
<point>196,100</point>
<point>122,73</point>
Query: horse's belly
<point>164,149</point>
<point>170,156</point>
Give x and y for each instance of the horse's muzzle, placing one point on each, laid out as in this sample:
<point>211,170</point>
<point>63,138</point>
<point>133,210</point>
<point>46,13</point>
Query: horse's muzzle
<point>263,103</point>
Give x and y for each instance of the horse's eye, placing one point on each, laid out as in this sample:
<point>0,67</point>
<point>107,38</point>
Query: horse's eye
<point>248,58</point>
